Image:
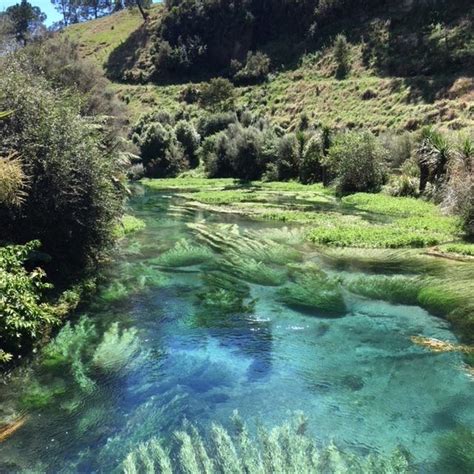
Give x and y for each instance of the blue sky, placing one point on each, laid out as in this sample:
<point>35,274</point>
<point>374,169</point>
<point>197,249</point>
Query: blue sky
<point>45,5</point>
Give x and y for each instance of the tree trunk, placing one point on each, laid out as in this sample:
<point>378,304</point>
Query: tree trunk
<point>142,11</point>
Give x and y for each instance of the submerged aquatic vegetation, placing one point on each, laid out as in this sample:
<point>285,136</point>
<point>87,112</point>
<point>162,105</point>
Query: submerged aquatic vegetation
<point>116,349</point>
<point>229,240</point>
<point>128,225</point>
<point>435,345</point>
<point>282,449</point>
<point>313,289</point>
<point>251,270</point>
<point>183,254</point>
<point>456,451</point>
<point>395,289</point>
<point>222,294</point>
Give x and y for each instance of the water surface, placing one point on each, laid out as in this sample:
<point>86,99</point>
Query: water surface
<point>357,376</point>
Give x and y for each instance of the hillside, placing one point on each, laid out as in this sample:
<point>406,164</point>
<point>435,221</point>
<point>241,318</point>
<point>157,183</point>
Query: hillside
<point>368,97</point>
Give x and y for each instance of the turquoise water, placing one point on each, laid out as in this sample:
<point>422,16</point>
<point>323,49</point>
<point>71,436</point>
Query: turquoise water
<point>205,339</point>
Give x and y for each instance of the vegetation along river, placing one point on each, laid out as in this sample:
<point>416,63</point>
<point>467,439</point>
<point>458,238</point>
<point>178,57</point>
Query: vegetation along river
<point>205,314</point>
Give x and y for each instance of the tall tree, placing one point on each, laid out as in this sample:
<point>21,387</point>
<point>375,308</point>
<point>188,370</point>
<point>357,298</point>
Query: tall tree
<point>69,9</point>
<point>25,20</point>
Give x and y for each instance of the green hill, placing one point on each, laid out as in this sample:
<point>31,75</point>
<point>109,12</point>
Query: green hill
<point>375,94</point>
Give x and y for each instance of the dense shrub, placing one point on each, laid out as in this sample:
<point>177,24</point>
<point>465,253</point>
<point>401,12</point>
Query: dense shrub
<point>288,157</point>
<point>356,160</point>
<point>459,190</point>
<point>210,123</point>
<point>255,69</point>
<point>342,56</point>
<point>25,314</point>
<point>311,168</point>
<point>217,95</point>
<point>74,195</point>
<point>13,182</point>
<point>189,140</point>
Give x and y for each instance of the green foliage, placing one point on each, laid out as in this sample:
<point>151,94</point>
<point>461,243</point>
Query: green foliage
<point>190,140</point>
<point>116,349</point>
<point>395,289</point>
<point>39,396</point>
<point>255,70</point>
<point>287,448</point>
<point>217,95</point>
<point>25,314</point>
<point>314,290</point>
<point>183,254</point>
<point>342,56</point>
<point>75,195</point>
<point>356,160</point>
<point>26,20</point>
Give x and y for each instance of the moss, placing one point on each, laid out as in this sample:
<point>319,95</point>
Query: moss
<point>456,451</point>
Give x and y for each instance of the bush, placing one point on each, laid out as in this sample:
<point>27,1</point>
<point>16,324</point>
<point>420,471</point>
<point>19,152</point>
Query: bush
<point>75,192</point>
<point>459,191</point>
<point>288,158</point>
<point>13,182</point>
<point>256,69</point>
<point>25,314</point>
<point>163,156</point>
<point>189,140</point>
<point>311,168</point>
<point>342,56</point>
<point>357,162</point>
<point>218,95</point>
<point>211,124</point>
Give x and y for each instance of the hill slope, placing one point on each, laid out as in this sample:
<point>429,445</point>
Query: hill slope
<point>124,46</point>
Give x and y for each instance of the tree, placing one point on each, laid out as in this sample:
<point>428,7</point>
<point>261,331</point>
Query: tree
<point>25,20</point>
<point>342,56</point>
<point>69,9</point>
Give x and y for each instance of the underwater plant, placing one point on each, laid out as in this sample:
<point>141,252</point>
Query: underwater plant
<point>116,349</point>
<point>314,290</point>
<point>251,270</point>
<point>183,254</point>
<point>70,350</point>
<point>456,451</point>
<point>395,289</point>
<point>283,449</point>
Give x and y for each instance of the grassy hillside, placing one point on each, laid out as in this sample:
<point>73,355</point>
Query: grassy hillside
<point>121,43</point>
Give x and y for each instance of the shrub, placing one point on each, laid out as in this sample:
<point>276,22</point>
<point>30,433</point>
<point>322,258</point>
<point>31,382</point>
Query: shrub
<point>342,56</point>
<point>459,191</point>
<point>288,157</point>
<point>311,168</point>
<point>75,192</point>
<point>402,186</point>
<point>189,140</point>
<point>213,123</point>
<point>25,313</point>
<point>357,162</point>
<point>218,95</point>
<point>162,155</point>
<point>255,70</point>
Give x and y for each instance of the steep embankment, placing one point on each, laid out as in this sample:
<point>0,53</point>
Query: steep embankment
<point>123,45</point>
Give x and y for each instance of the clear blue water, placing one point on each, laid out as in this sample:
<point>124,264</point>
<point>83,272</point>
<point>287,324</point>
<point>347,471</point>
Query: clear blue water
<point>357,376</point>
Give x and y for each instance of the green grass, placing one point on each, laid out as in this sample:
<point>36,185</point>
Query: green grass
<point>187,184</point>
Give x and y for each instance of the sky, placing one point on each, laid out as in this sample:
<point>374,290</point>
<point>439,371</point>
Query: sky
<point>45,5</point>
